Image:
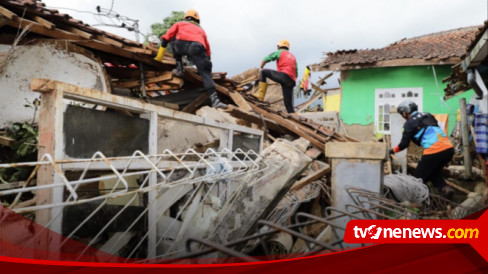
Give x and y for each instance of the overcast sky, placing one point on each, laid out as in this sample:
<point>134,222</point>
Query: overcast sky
<point>242,32</point>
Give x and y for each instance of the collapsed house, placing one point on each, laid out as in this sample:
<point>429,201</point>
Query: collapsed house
<point>131,162</point>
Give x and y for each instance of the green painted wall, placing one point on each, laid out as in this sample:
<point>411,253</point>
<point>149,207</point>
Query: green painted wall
<point>358,90</point>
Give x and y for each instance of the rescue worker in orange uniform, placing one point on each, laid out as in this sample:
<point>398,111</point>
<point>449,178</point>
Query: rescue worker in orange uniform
<point>187,38</point>
<point>423,130</point>
<point>286,74</point>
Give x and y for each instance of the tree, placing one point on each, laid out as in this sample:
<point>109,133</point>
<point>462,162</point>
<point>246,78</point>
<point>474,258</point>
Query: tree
<point>159,29</point>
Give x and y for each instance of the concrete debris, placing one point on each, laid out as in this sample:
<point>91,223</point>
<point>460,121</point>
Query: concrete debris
<point>250,180</point>
<point>255,200</point>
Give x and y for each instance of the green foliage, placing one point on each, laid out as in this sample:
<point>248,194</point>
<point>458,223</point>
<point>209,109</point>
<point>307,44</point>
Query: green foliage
<point>23,149</point>
<point>159,29</point>
<point>25,137</point>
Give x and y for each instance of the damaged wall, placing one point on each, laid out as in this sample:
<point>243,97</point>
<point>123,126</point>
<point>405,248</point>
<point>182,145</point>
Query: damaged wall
<point>45,60</point>
<point>179,136</point>
<point>360,132</point>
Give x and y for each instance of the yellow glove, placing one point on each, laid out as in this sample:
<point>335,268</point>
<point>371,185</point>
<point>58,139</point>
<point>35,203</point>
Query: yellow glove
<point>160,55</point>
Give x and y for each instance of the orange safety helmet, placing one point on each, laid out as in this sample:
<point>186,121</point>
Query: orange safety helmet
<point>193,14</point>
<point>284,43</point>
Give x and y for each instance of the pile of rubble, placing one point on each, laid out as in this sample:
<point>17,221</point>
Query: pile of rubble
<point>190,199</point>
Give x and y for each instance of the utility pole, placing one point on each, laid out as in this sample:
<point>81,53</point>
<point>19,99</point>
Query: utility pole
<point>465,138</point>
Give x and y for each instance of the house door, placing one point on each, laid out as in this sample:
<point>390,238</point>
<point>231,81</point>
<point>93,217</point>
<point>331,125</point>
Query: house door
<point>388,121</point>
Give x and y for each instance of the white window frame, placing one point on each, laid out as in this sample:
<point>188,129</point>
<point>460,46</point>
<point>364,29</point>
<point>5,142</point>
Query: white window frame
<point>387,99</point>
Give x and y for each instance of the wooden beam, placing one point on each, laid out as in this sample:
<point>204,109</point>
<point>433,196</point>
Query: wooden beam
<point>175,81</point>
<point>322,80</point>
<point>192,107</point>
<point>240,101</point>
<point>6,141</point>
<point>119,102</point>
<point>293,127</point>
<point>161,78</point>
<point>405,62</point>
<point>314,86</point>
<point>40,29</point>
<point>161,87</point>
<point>79,32</point>
<point>202,148</point>
<point>163,104</point>
<point>309,102</point>
<point>107,40</point>
<point>7,13</point>
<point>460,188</point>
<point>11,185</point>
<point>253,118</point>
<point>311,178</point>
<point>3,20</point>
<point>140,50</point>
<point>44,22</point>
<point>93,44</point>
<point>235,96</point>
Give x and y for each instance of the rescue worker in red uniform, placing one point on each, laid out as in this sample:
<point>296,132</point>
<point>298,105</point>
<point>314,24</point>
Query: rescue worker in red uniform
<point>286,74</point>
<point>187,38</point>
<point>423,130</point>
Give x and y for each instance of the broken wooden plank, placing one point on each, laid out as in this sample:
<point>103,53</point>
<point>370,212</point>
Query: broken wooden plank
<point>458,187</point>
<point>192,107</point>
<point>321,81</point>
<point>253,118</point>
<point>175,81</point>
<point>240,101</point>
<point>11,185</point>
<point>6,141</point>
<point>202,148</point>
<point>311,178</point>
<point>313,152</point>
<point>293,127</point>
<point>164,104</point>
<point>93,44</point>
<point>27,203</point>
<point>309,102</point>
<point>235,96</point>
<point>165,76</point>
<point>160,87</point>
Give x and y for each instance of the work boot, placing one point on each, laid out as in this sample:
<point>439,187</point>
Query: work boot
<point>215,101</point>
<point>178,71</point>
<point>263,86</point>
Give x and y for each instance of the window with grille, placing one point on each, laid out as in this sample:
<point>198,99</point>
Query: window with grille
<point>387,100</point>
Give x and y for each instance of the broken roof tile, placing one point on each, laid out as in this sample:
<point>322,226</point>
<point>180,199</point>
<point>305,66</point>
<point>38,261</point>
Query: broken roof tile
<point>440,45</point>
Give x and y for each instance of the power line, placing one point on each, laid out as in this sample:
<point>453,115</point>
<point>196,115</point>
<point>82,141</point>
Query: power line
<point>125,22</point>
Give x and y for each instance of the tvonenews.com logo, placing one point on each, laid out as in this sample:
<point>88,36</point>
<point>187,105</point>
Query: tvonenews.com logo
<point>473,232</point>
<point>375,232</point>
